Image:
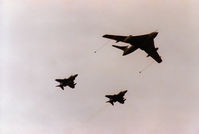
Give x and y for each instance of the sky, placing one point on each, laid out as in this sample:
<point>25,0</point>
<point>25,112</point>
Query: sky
<point>45,40</point>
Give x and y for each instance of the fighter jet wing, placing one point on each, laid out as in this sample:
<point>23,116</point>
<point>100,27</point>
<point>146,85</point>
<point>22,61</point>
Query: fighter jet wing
<point>61,86</point>
<point>152,51</point>
<point>121,101</point>
<point>112,103</point>
<point>71,85</point>
<point>115,37</point>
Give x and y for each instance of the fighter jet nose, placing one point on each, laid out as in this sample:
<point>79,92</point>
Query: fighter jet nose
<point>160,61</point>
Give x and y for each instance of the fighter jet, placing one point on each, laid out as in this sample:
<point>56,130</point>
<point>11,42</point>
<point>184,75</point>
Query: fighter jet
<point>144,42</point>
<point>116,97</point>
<point>67,82</point>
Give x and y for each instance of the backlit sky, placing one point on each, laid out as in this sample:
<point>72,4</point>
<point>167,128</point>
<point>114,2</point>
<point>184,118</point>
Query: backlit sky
<point>42,40</point>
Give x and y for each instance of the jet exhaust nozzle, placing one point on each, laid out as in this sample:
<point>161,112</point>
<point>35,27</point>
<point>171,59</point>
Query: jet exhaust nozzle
<point>128,38</point>
<point>126,49</point>
<point>129,49</point>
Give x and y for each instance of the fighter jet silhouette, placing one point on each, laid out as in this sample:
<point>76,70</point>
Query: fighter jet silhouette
<point>67,82</point>
<point>144,42</point>
<point>116,97</point>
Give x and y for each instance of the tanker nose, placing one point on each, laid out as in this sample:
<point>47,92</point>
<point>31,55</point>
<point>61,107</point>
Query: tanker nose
<point>154,34</point>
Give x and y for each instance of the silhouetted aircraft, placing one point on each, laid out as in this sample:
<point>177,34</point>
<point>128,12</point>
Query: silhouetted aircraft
<point>116,97</point>
<point>144,42</point>
<point>67,82</point>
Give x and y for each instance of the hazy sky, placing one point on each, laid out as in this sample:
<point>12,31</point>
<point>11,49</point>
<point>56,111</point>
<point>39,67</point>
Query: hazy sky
<point>42,40</point>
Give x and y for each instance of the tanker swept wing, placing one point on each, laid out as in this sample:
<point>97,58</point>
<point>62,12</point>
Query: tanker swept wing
<point>144,42</point>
